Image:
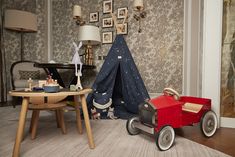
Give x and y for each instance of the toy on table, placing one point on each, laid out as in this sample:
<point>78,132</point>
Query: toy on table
<point>30,82</point>
<point>51,85</point>
<point>41,83</point>
<point>76,60</point>
<point>159,116</point>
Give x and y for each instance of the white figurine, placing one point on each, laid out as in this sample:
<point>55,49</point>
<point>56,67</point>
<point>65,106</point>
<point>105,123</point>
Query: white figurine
<point>76,60</point>
<point>30,82</point>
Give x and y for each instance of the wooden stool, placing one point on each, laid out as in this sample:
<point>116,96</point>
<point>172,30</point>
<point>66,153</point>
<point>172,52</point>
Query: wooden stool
<point>38,105</point>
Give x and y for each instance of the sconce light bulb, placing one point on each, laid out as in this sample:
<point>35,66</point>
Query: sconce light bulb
<point>138,5</point>
<point>76,17</point>
<point>77,11</point>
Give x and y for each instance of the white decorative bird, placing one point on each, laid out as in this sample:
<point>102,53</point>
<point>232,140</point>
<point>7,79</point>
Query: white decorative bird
<point>76,60</point>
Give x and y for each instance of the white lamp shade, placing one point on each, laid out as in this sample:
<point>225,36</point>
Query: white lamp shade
<point>77,11</point>
<point>138,4</point>
<point>20,20</point>
<point>89,33</point>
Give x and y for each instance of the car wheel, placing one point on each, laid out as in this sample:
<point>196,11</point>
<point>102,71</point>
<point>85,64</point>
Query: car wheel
<point>209,123</point>
<point>165,138</point>
<point>131,129</point>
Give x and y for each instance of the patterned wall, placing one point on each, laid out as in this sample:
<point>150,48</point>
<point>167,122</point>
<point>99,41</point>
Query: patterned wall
<point>34,43</point>
<point>157,51</point>
<point>228,60</point>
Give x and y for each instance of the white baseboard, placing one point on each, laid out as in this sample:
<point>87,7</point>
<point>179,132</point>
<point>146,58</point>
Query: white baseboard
<point>227,122</point>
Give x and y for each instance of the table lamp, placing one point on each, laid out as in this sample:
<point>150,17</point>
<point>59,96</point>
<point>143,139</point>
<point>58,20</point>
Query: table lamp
<point>89,35</point>
<point>20,21</point>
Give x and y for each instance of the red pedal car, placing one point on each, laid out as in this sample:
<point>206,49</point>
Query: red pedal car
<point>159,116</point>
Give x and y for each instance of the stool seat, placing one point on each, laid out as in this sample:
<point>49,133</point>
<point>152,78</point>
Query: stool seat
<point>36,108</point>
<point>47,106</point>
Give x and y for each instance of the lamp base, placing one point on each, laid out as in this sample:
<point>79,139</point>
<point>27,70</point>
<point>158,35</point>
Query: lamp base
<point>88,55</point>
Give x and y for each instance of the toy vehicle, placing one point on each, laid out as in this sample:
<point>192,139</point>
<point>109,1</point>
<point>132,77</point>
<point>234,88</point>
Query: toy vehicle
<point>159,116</point>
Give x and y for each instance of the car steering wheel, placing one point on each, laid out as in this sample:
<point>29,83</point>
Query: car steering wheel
<point>172,92</point>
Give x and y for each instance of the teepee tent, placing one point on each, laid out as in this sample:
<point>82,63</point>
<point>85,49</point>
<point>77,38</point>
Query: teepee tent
<point>119,81</point>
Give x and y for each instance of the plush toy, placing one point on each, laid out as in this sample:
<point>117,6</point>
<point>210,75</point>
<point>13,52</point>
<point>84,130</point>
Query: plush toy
<point>111,114</point>
<point>94,114</point>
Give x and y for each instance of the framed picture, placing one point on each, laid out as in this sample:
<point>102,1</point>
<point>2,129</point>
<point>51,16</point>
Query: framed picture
<point>107,22</point>
<point>107,37</point>
<point>94,17</point>
<point>107,6</point>
<point>121,12</point>
<point>124,29</point>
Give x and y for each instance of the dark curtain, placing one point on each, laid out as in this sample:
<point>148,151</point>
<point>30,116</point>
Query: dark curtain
<point>3,88</point>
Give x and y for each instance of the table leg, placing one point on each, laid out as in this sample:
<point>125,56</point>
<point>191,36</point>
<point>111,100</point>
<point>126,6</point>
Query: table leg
<point>62,124</point>
<point>20,130</point>
<point>32,120</point>
<point>23,133</point>
<point>87,122</point>
<point>78,115</point>
<point>35,124</point>
<point>57,118</point>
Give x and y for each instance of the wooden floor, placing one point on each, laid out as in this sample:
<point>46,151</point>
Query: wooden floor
<point>223,140</point>
<point>111,139</point>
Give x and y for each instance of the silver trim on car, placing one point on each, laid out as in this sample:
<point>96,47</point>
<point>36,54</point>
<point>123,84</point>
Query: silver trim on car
<point>143,127</point>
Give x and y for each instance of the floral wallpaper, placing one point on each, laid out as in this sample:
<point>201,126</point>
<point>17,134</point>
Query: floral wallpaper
<point>157,50</point>
<point>34,43</point>
<point>228,60</point>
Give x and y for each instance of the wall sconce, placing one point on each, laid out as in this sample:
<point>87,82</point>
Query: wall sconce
<point>139,8</point>
<point>77,15</point>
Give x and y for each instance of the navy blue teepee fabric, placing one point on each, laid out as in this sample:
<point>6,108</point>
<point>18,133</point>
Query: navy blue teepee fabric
<point>120,80</point>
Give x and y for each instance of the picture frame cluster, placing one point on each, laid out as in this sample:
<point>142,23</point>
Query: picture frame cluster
<point>121,12</point>
<point>94,17</point>
<point>107,37</point>
<point>107,22</point>
<point>107,6</point>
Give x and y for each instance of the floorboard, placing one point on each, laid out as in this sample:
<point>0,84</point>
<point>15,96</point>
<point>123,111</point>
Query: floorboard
<point>110,136</point>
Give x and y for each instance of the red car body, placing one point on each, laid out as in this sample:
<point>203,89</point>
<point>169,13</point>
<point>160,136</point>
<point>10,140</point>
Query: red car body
<point>159,116</point>
<point>171,112</point>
